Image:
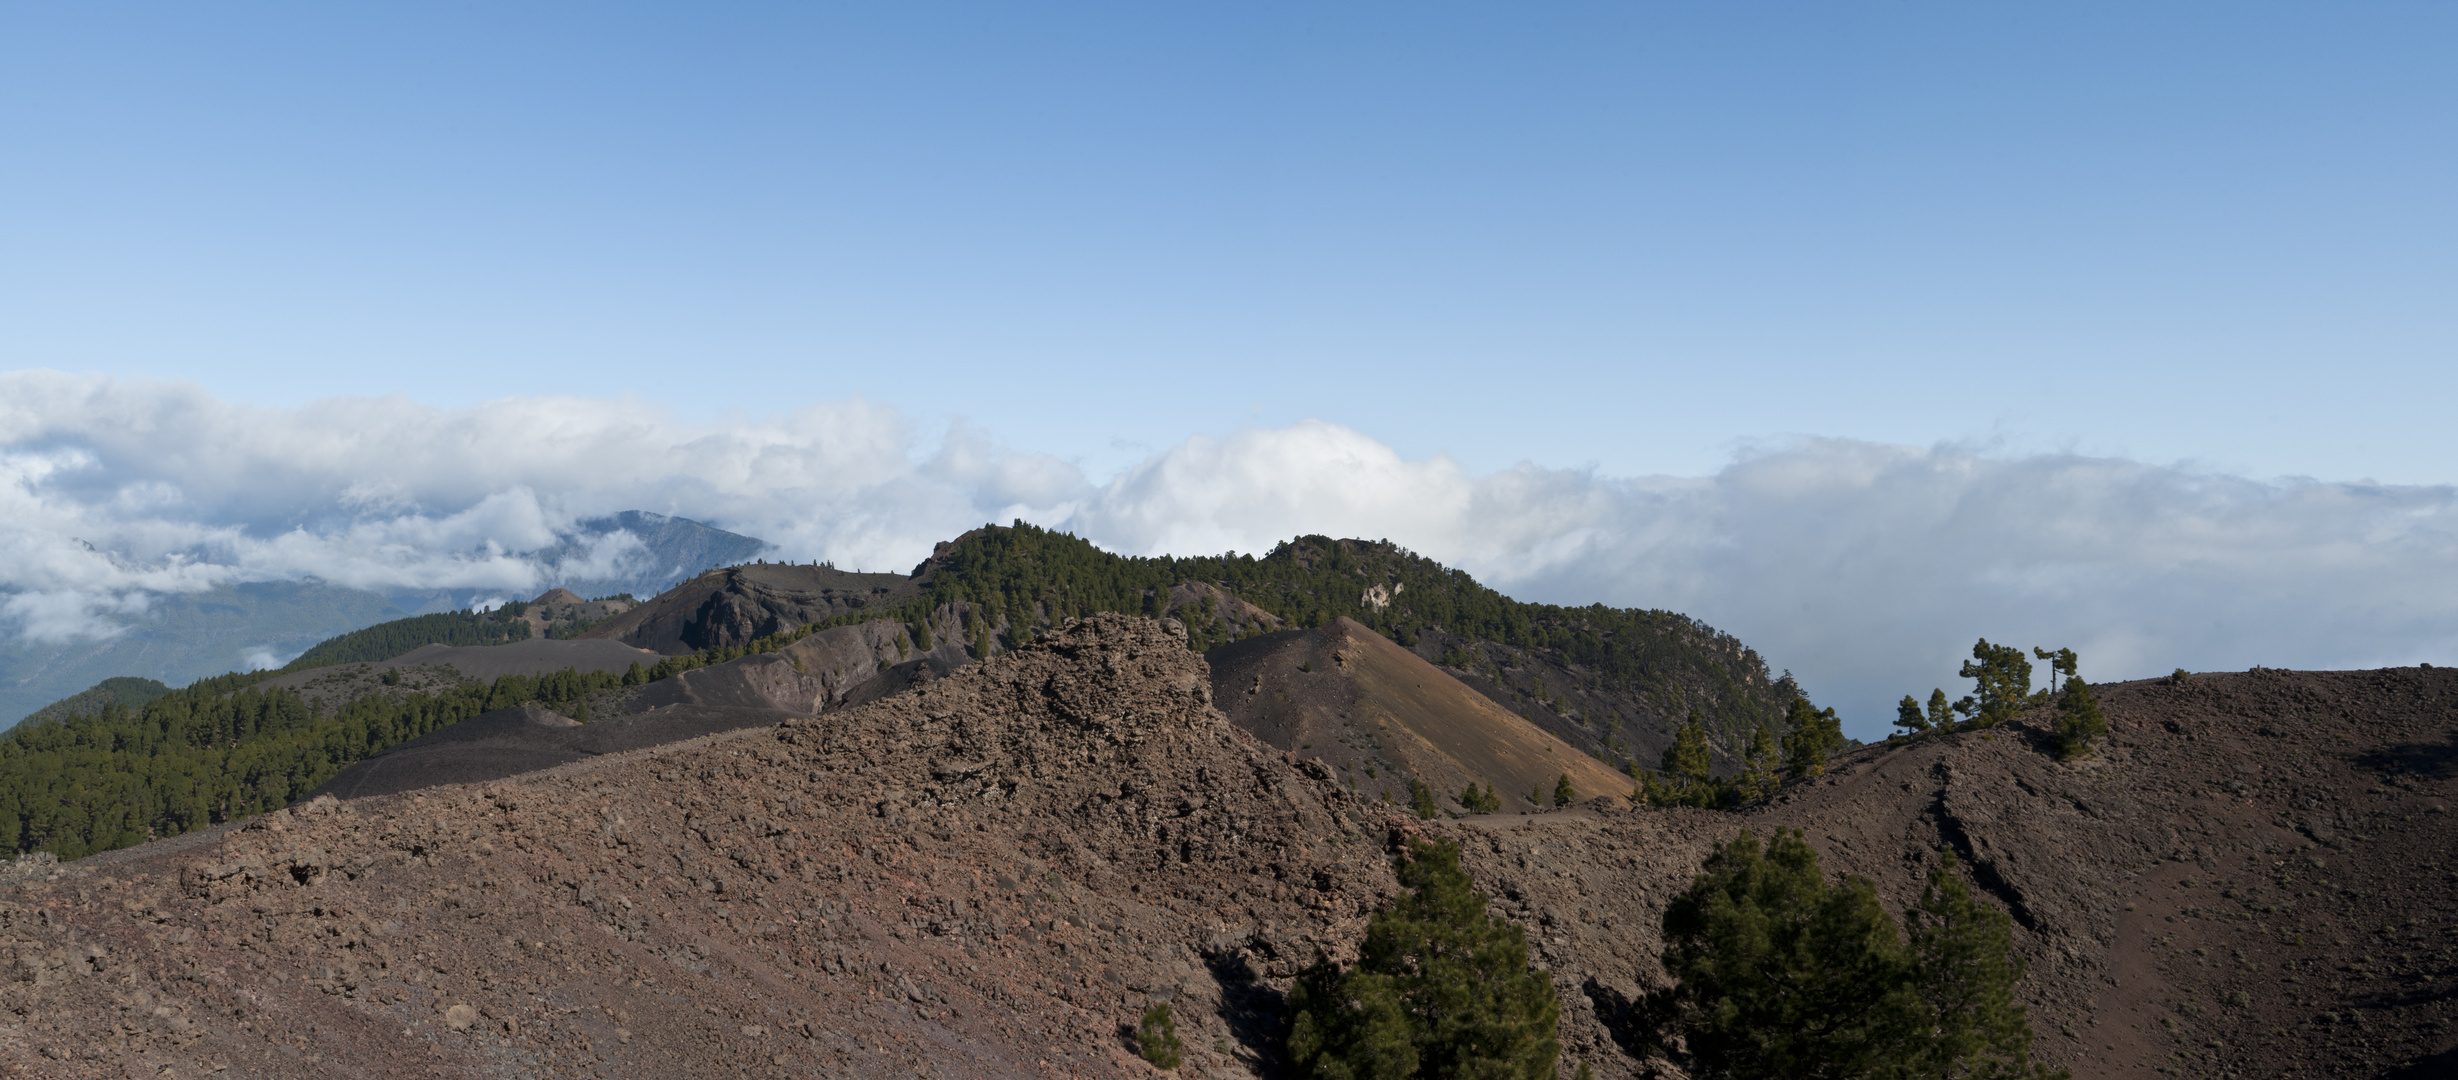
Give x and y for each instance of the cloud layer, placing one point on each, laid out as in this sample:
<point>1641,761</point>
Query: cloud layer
<point>1867,570</point>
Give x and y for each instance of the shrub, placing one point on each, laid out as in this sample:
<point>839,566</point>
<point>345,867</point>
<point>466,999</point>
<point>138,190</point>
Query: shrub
<point>1479,802</point>
<point>2079,720</point>
<point>1157,1037</point>
<point>1440,989</point>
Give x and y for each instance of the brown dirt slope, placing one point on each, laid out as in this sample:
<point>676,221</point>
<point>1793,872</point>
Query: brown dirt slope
<point>987,877</point>
<point>993,874</point>
<point>1379,715</point>
<point>2254,877</point>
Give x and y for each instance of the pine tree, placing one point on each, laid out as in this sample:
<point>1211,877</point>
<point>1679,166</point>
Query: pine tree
<point>1421,799</point>
<point>1781,973</point>
<point>1440,989</point>
<point>1965,971</point>
<point>2003,679</point>
<point>1941,714</point>
<point>1758,777</point>
<point>1563,793</point>
<point>1157,1037</point>
<point>1687,761</point>
<point>1687,779</point>
<point>1778,973</point>
<point>1816,734</point>
<point>2079,720</point>
<point>1908,716</point>
<point>2060,662</point>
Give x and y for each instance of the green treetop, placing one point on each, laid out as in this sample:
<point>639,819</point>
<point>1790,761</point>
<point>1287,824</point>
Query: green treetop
<point>1758,777</point>
<point>1908,716</point>
<point>2079,720</point>
<point>1440,989</point>
<point>2003,676</point>
<point>1780,974</point>
<point>1816,735</point>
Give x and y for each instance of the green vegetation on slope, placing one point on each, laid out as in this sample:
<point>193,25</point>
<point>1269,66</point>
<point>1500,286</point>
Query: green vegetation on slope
<point>1779,973</point>
<point>1017,578</point>
<point>128,692</point>
<point>221,749</point>
<point>1440,989</point>
<point>384,641</point>
<point>217,750</point>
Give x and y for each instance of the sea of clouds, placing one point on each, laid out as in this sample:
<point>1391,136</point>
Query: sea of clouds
<point>1867,570</point>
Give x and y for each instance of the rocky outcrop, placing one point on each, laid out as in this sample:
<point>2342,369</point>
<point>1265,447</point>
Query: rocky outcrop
<point>728,608</point>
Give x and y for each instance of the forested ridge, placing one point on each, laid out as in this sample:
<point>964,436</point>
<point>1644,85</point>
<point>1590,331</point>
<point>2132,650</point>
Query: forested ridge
<point>384,641</point>
<point>1006,582</point>
<point>1313,579</point>
<point>219,749</point>
<point>125,690</point>
<point>224,748</point>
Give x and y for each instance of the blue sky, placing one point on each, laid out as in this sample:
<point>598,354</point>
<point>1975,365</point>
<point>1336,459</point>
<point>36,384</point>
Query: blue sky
<point>1157,271</point>
<point>1627,235</point>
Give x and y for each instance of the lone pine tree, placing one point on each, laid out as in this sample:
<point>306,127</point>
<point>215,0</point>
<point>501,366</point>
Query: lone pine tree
<point>1440,990</point>
<point>1909,717</point>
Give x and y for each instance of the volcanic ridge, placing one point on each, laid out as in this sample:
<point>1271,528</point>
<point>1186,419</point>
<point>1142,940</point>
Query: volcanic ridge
<point>993,869</point>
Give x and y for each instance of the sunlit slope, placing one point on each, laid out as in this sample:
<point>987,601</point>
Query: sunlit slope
<point>1380,716</point>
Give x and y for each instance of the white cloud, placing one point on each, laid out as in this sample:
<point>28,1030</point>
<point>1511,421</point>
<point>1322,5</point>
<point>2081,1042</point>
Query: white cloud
<point>264,658</point>
<point>1868,570</point>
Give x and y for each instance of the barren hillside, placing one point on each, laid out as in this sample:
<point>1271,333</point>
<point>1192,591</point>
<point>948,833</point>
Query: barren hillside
<point>993,874</point>
<point>1379,716</point>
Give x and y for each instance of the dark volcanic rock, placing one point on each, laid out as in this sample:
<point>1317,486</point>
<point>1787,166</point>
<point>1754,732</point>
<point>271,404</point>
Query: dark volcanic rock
<point>737,605</point>
<point>509,742</point>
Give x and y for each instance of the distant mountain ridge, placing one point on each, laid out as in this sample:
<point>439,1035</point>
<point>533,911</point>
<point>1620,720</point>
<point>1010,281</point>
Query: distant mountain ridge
<point>183,637</point>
